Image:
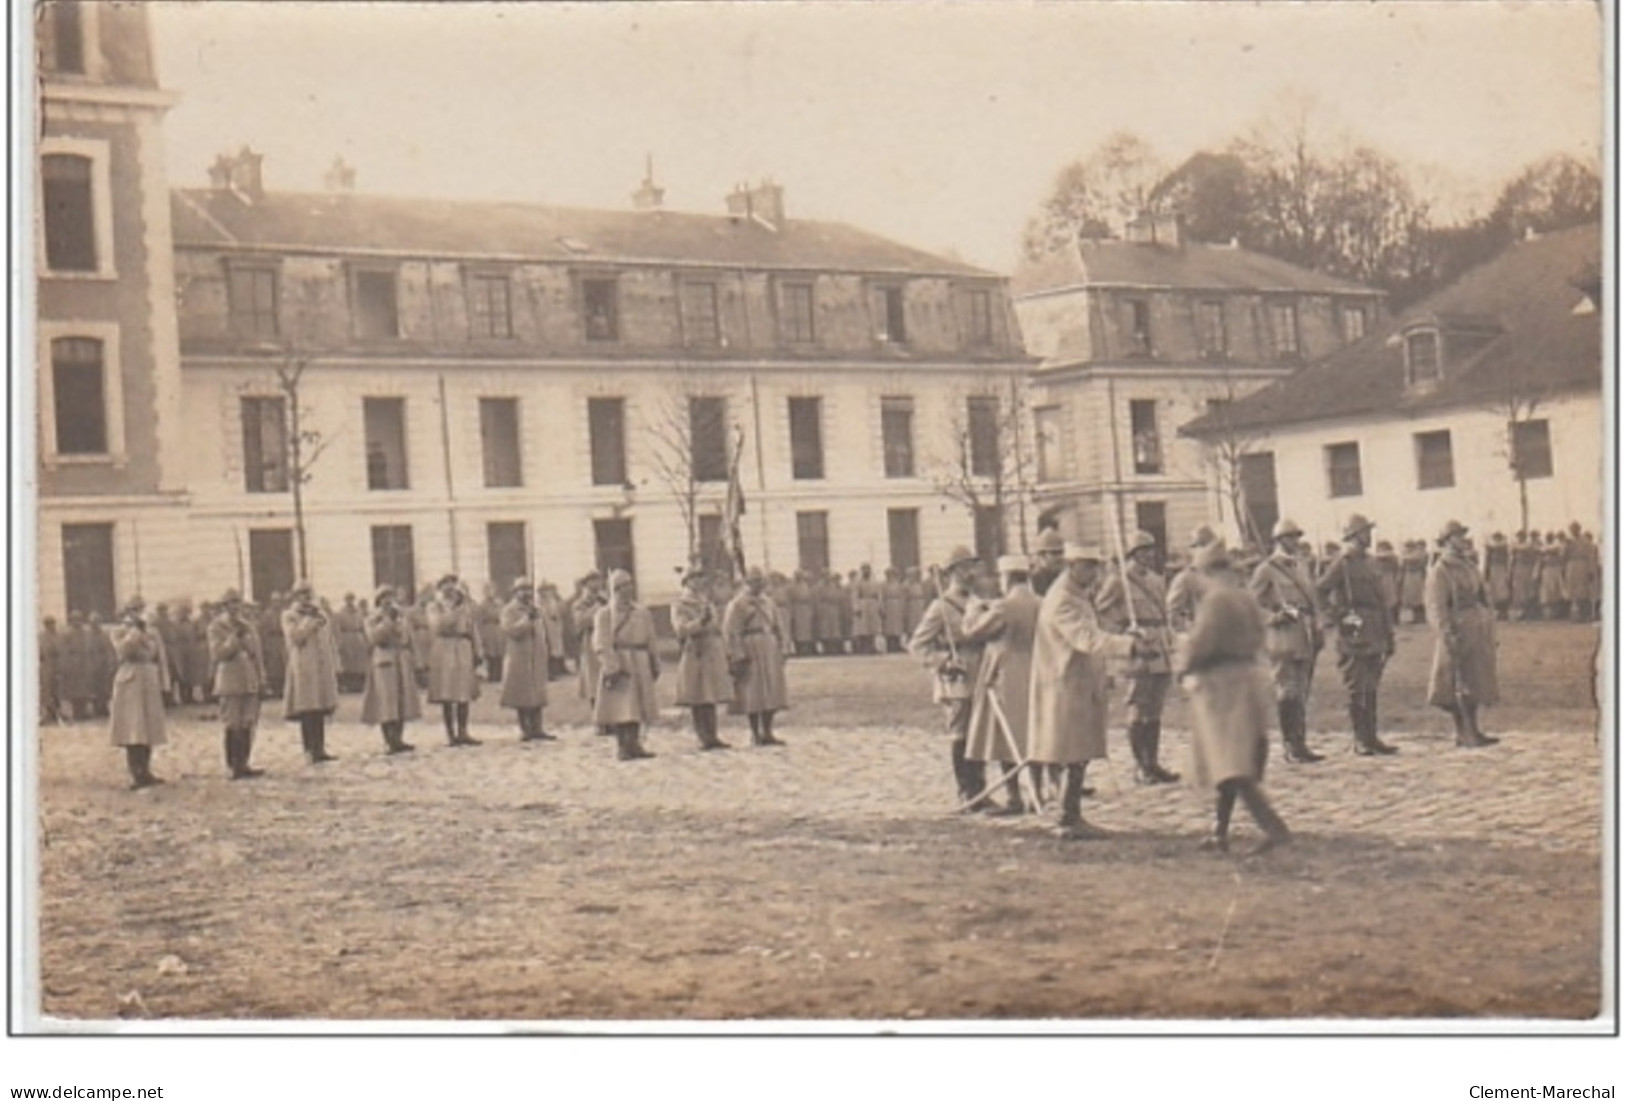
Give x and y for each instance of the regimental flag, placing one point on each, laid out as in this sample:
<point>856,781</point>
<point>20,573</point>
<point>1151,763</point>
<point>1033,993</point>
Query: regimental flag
<point>734,506</point>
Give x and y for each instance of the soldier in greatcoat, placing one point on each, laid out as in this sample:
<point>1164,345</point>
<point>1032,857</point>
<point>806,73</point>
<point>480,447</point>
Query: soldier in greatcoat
<point>915,597</point>
<point>417,620</point>
<point>827,614</point>
<point>239,680</point>
<point>1230,701</point>
<point>199,670</point>
<point>525,669</point>
<point>999,698</point>
<point>275,647</point>
<point>866,610</point>
<point>623,636</point>
<point>311,693</point>
<point>1579,574</point>
<point>1068,705</point>
<point>1498,575</point>
<point>488,625</point>
<point>349,632</point>
<point>847,588</point>
<point>551,605</point>
<point>454,658</point>
<point>136,703</point>
<point>802,633</point>
<point>1554,597</point>
<point>1185,590</point>
<point>74,687</point>
<point>1049,560</point>
<point>104,662</point>
<point>1351,593</point>
<point>165,626</point>
<point>1413,569</point>
<point>1136,596</point>
<point>1293,637</point>
<point>702,660</point>
<point>1388,569</point>
<point>753,635</point>
<point>1525,577</point>
<point>1463,676</point>
<point>584,613</point>
<point>894,626</point>
<point>390,700</point>
<point>940,643</point>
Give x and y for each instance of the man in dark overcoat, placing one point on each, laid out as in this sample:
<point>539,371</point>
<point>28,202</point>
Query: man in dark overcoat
<point>1351,592</point>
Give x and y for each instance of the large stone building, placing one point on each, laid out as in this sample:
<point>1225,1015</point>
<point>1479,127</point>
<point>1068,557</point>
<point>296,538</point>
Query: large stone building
<point>496,388</point>
<point>110,474</point>
<point>1438,414</point>
<point>1142,334</point>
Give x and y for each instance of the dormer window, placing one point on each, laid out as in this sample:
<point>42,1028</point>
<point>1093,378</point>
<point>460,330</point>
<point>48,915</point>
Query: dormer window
<point>1137,320</point>
<point>1422,358</point>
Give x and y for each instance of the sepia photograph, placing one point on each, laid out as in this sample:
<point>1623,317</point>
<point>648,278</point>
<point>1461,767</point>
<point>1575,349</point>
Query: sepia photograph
<point>728,518</point>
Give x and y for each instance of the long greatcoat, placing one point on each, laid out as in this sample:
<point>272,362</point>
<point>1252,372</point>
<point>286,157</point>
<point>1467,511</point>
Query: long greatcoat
<point>1413,568</point>
<point>1580,571</point>
<point>136,707</point>
<point>1458,607</point>
<point>754,633</point>
<point>195,658</point>
<point>1146,592</point>
<point>894,609</point>
<point>801,611</point>
<point>391,695</point>
<point>584,613</point>
<point>1525,573</point>
<point>1280,583</point>
<point>312,676</point>
<point>1069,702</point>
<point>1552,591</point>
<point>866,607</point>
<point>74,674</point>
<point>526,658</point>
<point>488,625</point>
<point>238,656</point>
<point>1005,628</point>
<point>1229,691</point>
<point>827,611</point>
<point>623,639</point>
<point>1498,573</point>
<point>454,652</point>
<point>702,661</point>
<point>349,631</point>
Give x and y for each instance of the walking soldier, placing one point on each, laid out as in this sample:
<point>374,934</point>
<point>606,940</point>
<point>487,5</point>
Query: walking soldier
<point>1068,703</point>
<point>1351,592</point>
<point>1185,590</point>
<point>941,644</point>
<point>454,659</point>
<point>391,698</point>
<point>1292,638</point>
<point>1463,675</point>
<point>999,699</point>
<point>239,680</point>
<point>1137,596</point>
<point>136,704</point>
<point>525,663</point>
<point>623,636</point>
<point>312,691</point>
<point>754,634</point>
<point>702,663</point>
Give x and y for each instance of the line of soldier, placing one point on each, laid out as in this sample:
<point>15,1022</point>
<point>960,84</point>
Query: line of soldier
<point>733,657</point>
<point>1023,675</point>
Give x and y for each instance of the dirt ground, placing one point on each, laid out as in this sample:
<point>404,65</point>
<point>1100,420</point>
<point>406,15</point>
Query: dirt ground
<point>829,879</point>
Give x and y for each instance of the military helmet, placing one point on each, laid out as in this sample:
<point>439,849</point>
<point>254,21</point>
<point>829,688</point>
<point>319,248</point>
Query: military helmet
<point>1283,528</point>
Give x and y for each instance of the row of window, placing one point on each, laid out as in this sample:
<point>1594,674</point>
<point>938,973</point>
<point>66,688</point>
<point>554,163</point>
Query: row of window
<point>706,436</point>
<point>1212,332</point>
<point>252,293</point>
<point>1435,461</point>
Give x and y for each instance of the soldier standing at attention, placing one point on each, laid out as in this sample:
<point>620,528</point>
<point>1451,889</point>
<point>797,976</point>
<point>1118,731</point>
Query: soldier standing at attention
<point>827,614</point>
<point>915,598</point>
<point>753,633</point>
<point>1050,564</point>
<point>312,691</point>
<point>239,680</point>
<point>488,625</point>
<point>349,631</point>
<point>940,643</point>
<point>525,668</point>
<point>1388,568</point>
<point>1498,575</point>
<point>454,658</point>
<point>1137,596</point>
<point>391,697</point>
<point>623,636</point>
<point>584,613</point>
<point>893,609</point>
<point>136,706</point>
<point>866,610</point>
<point>1292,636</point>
<point>702,661</point>
<point>1463,675</point>
<point>1413,569</point>
<point>1229,701</point>
<point>999,699</point>
<point>801,614</point>
<point>1351,592</point>
<point>1068,704</point>
<point>1525,579</point>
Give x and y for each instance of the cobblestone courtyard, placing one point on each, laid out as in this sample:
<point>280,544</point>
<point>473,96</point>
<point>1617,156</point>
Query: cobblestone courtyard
<point>828,879</point>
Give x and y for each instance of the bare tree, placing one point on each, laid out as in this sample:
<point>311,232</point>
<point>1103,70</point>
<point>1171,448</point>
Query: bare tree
<point>989,464</point>
<point>305,445</point>
<point>1225,448</point>
<point>1516,399</point>
<point>676,444</point>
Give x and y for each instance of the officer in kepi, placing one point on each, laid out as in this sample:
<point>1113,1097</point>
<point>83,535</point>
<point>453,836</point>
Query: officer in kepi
<point>1351,592</point>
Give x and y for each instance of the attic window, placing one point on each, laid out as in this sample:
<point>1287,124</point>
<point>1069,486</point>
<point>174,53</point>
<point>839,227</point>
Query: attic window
<point>1137,319</point>
<point>376,313</point>
<point>1422,361</point>
<point>600,308</point>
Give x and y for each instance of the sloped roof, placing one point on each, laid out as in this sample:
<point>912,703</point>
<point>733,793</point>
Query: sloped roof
<point>1530,292</point>
<point>337,222</point>
<point>1190,266</point>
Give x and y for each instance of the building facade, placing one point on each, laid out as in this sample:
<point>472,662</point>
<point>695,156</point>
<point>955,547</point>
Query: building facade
<point>1481,403</point>
<point>500,389</point>
<point>1140,335</point>
<point>110,473</point>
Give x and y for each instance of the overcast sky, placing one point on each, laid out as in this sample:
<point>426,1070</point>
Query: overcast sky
<point>939,124</point>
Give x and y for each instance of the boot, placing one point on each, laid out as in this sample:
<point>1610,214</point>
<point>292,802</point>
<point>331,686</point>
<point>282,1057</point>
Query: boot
<point>1275,831</point>
<point>138,759</point>
<point>540,734</point>
<point>1295,733</point>
<point>1153,747</point>
<point>448,715</point>
<point>705,726</point>
<point>1468,735</point>
<point>1362,739</point>
<point>1377,744</point>
<point>1072,827</point>
<point>527,727</point>
<point>241,770</point>
<point>462,726</point>
<point>767,729</point>
<point>318,741</point>
<point>1224,803</point>
<point>1136,745</point>
<point>628,747</point>
<point>231,751</point>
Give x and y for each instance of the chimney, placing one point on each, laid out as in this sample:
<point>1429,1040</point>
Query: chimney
<point>239,174</point>
<point>762,204</point>
<point>340,176</point>
<point>1152,227</point>
<point>648,196</point>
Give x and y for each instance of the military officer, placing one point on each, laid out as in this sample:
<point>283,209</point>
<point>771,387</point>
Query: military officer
<point>349,632</point>
<point>753,631</point>
<point>391,696</point>
<point>1293,637</point>
<point>999,699</point>
<point>312,690</point>
<point>1185,590</point>
<point>702,660</point>
<point>940,643</point>
<point>1413,569</point>
<point>136,703</point>
<point>454,658</point>
<point>1136,596</point>
<point>623,637</point>
<point>1463,676</point>
<point>590,597</point>
<point>1351,592</point>
<point>528,647</point>
<point>239,680</point>
<point>1050,564</point>
<point>1498,574</point>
